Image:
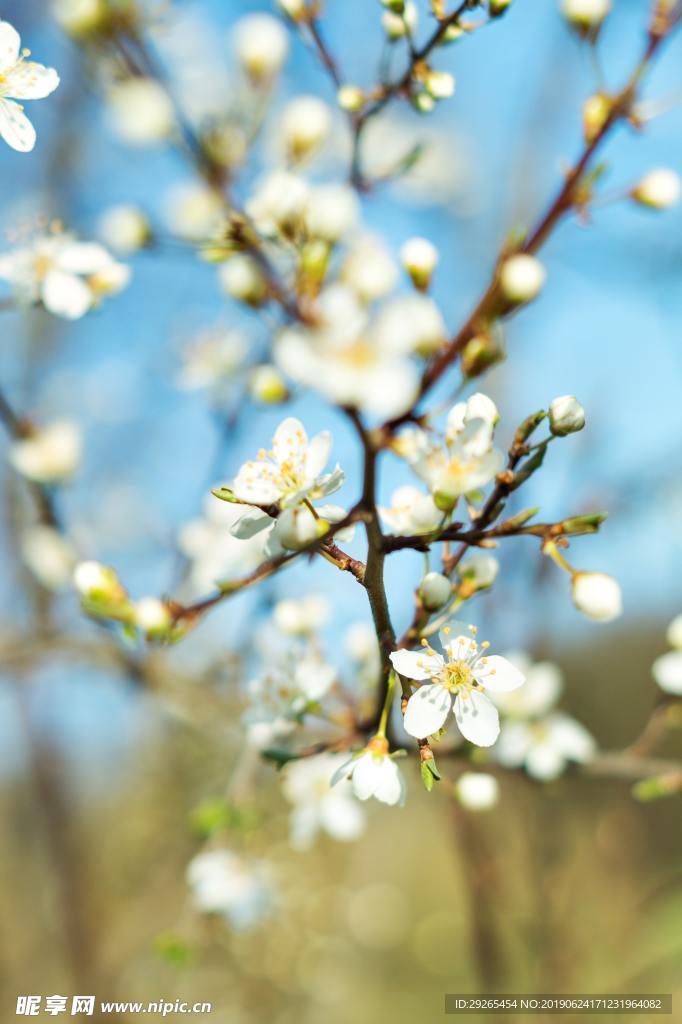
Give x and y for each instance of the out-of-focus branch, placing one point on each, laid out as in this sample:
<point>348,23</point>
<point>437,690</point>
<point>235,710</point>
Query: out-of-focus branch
<point>19,428</point>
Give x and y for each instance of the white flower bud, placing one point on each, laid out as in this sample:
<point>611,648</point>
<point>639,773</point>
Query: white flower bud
<point>241,278</point>
<point>419,258</point>
<point>350,98</point>
<point>674,633</point>
<point>424,102</point>
<point>331,212</point>
<point>585,15</point>
<point>194,211</point>
<point>279,203</point>
<point>301,617</point>
<point>94,580</point>
<point>566,415</point>
<point>50,454</point>
<point>305,126</point>
<point>597,595</point>
<point>397,25</point>
<point>297,527</point>
<point>435,590</point>
<point>477,791</point>
<point>262,45</point>
<point>79,16</point>
<point>151,615</point>
<point>479,570</point>
<point>141,111</point>
<point>659,189</point>
<point>124,228</point>
<point>368,269</point>
<point>48,555</point>
<point>440,85</point>
<point>267,385</point>
<point>294,9</point>
<point>522,278</point>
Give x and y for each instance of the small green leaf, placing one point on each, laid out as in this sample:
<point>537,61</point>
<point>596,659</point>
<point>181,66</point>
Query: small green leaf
<point>427,777</point>
<point>225,494</point>
<point>172,949</point>
<point>279,757</point>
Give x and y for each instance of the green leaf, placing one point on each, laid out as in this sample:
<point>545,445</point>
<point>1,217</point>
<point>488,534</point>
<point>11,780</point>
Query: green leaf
<point>527,427</point>
<point>279,757</point>
<point>225,494</point>
<point>520,519</point>
<point>427,777</point>
<point>172,949</point>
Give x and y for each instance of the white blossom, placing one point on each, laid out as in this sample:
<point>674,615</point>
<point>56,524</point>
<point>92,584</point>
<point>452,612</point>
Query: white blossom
<point>305,125</point>
<point>522,278</point>
<point>340,358</point>
<point>212,359</point>
<point>124,227</point>
<point>566,415</point>
<point>50,557</point>
<point>301,616</point>
<point>195,211</point>
<point>667,671</point>
<point>659,189</point>
<point>674,633</point>
<point>420,258</point>
<point>539,694</point>
<point>459,679</point>
<point>50,454</point>
<point>465,461</point>
<point>374,773</point>
<point>291,680</point>
<point>585,14</point>
<point>316,806</point>
<point>477,791</point>
<point>331,212</point>
<point>597,595</point>
<point>368,269</point>
<point>20,79</point>
<point>278,204</point>
<point>242,278</point>
<point>291,471</point>
<point>410,324</point>
<point>544,746</point>
<point>141,111</point>
<point>224,883</point>
<point>69,277</point>
<point>213,551</point>
<point>411,511</point>
<point>262,46</point>
<point>267,385</point>
<point>435,590</point>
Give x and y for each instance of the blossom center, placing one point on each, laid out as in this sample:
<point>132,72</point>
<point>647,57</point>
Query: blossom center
<point>456,676</point>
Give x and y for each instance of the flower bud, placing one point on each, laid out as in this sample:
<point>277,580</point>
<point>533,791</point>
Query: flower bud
<point>141,111</point>
<point>241,278</point>
<point>294,9</point>
<point>597,595</point>
<point>125,228</point>
<point>98,582</point>
<point>397,6</point>
<point>152,616</point>
<point>49,556</point>
<point>477,572</point>
<point>566,415</point>
<point>586,16</point>
<point>331,211</point>
<point>267,385</point>
<point>262,45</point>
<point>298,527</point>
<point>522,278</point>
<point>477,791</point>
<point>596,112</point>
<point>50,454</point>
<point>80,17</point>
<point>398,25</point>
<point>305,126</point>
<point>440,85</point>
<point>435,590</point>
<point>419,258</point>
<point>496,8</point>
<point>350,98</point>
<point>658,189</point>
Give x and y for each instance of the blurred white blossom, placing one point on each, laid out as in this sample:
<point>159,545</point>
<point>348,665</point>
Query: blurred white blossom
<point>20,79</point>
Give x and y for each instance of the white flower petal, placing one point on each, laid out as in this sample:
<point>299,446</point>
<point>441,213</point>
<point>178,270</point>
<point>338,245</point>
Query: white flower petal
<point>545,761</point>
<point>255,482</point>
<point>290,440</point>
<point>416,664</point>
<point>497,674</point>
<point>317,454</point>
<point>342,772</point>
<point>84,258</point>
<point>366,775</point>
<point>571,738</point>
<point>477,718</point>
<point>341,817</point>
<point>15,127</point>
<point>66,295</point>
<point>427,710</point>
<point>10,44</point>
<point>251,523</point>
<point>30,81</point>
<point>390,788</point>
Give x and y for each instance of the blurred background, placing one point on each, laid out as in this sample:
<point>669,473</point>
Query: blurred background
<point>110,774</point>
